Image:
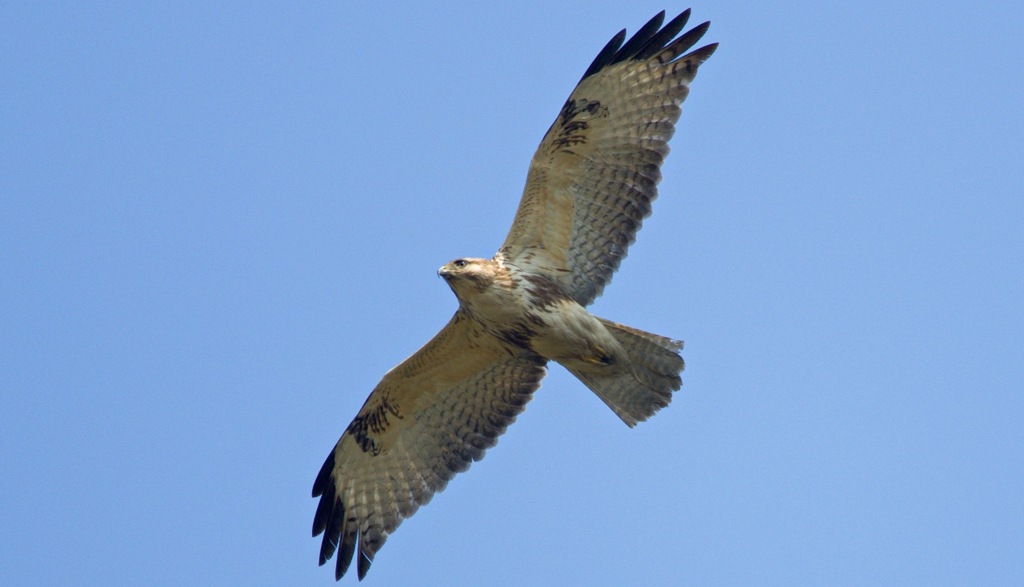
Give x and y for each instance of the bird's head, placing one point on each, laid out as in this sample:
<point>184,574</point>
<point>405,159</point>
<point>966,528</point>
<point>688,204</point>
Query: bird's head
<point>468,275</point>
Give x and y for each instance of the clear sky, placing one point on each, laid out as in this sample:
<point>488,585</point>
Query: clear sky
<point>220,225</point>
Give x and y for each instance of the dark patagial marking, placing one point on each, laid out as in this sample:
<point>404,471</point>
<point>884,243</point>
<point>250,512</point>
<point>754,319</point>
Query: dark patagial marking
<point>519,335</point>
<point>365,428</point>
<point>543,292</point>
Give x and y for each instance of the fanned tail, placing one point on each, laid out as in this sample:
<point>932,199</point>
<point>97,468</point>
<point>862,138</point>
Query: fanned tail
<point>641,384</point>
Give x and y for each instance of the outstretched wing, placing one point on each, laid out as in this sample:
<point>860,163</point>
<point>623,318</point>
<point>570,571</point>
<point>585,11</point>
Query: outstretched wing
<point>427,420</point>
<point>594,175</point>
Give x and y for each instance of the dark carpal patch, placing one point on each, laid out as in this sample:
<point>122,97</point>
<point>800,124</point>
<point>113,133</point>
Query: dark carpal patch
<point>365,428</point>
<point>573,122</point>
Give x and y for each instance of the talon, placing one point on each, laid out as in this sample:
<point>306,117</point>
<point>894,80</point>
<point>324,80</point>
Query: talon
<point>601,357</point>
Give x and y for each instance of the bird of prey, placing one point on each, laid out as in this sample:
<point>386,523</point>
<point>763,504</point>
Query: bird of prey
<point>589,187</point>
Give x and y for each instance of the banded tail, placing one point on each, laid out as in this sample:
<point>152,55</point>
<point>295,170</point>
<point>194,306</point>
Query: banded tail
<point>641,383</point>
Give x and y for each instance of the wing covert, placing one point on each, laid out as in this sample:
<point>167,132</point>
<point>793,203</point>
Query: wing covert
<point>428,419</point>
<point>593,177</point>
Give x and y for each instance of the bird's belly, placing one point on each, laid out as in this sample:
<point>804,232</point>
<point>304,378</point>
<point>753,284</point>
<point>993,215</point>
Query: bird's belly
<point>560,330</point>
<point>570,334</point>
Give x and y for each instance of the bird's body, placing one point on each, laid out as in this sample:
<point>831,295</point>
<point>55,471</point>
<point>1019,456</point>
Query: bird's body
<point>590,185</point>
<point>527,312</point>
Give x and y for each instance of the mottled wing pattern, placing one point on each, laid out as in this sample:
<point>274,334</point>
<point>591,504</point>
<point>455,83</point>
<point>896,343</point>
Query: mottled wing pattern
<point>595,173</point>
<point>427,420</point>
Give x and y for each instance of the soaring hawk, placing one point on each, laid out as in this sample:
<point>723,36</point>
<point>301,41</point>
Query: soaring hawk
<point>590,185</point>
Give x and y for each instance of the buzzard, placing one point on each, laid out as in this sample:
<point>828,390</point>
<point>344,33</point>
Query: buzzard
<point>590,185</point>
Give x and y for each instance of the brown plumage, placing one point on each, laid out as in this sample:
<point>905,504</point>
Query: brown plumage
<point>590,185</point>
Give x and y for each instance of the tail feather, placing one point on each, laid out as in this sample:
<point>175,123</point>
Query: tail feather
<point>641,383</point>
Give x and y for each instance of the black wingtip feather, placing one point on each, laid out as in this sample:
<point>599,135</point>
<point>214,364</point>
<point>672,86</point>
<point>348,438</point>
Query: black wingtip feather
<point>324,512</point>
<point>701,55</point>
<point>323,478</point>
<point>364,564</point>
<point>344,559</point>
<point>695,58</point>
<point>332,534</point>
<point>648,42</point>
<point>664,36</point>
<point>683,43</point>
<point>605,56</point>
<point>640,39</point>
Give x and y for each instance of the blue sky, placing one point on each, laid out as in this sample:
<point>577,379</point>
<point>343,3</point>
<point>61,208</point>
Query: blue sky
<point>219,226</point>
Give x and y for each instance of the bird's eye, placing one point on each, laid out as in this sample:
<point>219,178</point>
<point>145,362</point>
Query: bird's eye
<point>459,263</point>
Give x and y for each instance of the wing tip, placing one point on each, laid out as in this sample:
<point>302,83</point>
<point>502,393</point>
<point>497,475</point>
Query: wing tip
<point>702,54</point>
<point>363,565</point>
<point>605,55</point>
<point>649,41</point>
<point>323,477</point>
